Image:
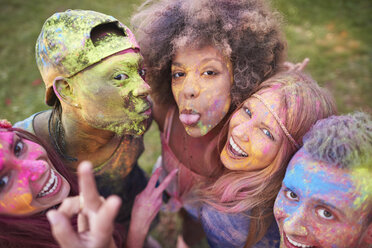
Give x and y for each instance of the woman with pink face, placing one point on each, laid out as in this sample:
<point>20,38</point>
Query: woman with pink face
<point>34,180</point>
<point>263,134</point>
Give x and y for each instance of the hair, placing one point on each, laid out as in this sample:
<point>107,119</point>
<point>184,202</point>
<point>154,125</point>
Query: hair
<point>34,230</point>
<point>303,102</point>
<point>343,141</point>
<point>246,31</point>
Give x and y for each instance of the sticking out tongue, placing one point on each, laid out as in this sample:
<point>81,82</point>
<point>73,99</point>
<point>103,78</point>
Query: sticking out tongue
<point>189,119</point>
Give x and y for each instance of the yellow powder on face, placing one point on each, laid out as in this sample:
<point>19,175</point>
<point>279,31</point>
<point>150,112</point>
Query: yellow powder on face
<point>363,185</point>
<point>17,205</point>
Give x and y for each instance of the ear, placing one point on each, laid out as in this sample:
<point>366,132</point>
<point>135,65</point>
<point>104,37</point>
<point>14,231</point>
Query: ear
<point>368,235</point>
<point>64,91</point>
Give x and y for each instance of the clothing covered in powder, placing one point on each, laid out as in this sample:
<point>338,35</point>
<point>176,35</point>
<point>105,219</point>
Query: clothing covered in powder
<point>119,175</point>
<point>179,190</point>
<point>230,230</point>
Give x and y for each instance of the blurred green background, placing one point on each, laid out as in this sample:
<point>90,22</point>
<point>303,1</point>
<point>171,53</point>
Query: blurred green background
<point>335,34</point>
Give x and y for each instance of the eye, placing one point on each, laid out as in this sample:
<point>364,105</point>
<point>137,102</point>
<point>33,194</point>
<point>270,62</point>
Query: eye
<point>247,111</point>
<point>325,214</point>
<point>121,76</point>
<point>142,73</point>
<point>209,73</point>
<point>178,75</point>
<point>268,134</point>
<point>291,195</point>
<point>3,182</point>
<point>18,148</point>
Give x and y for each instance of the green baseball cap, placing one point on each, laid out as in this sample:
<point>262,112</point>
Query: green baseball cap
<point>64,46</point>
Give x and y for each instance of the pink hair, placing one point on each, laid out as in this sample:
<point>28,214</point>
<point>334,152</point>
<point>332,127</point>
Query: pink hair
<point>303,103</point>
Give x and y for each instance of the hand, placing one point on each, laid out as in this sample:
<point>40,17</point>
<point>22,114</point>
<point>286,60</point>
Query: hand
<point>145,208</point>
<point>296,67</point>
<point>95,218</point>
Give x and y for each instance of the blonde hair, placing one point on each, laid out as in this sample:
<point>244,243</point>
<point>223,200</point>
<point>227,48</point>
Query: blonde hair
<point>303,102</point>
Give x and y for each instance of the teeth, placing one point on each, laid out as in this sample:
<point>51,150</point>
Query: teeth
<point>237,149</point>
<point>297,244</point>
<point>52,180</point>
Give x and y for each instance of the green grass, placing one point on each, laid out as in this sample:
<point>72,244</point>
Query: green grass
<point>335,34</point>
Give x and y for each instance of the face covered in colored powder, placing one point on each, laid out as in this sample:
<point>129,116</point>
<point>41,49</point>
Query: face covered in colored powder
<point>201,83</point>
<point>28,182</point>
<point>112,94</point>
<point>254,136</point>
<point>320,205</point>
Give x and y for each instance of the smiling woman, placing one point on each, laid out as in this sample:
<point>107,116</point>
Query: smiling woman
<point>262,135</point>
<point>32,180</point>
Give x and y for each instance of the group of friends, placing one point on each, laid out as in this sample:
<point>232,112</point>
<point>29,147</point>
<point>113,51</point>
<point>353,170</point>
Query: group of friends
<point>253,151</point>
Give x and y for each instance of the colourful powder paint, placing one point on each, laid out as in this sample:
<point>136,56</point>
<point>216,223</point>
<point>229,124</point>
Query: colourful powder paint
<point>254,137</point>
<point>316,205</point>
<point>117,92</point>
<point>201,84</point>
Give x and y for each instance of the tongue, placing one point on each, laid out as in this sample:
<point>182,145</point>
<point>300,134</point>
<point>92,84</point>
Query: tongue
<point>189,119</point>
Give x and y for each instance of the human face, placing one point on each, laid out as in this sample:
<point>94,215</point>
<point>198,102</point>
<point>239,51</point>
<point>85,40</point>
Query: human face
<point>28,182</point>
<point>201,83</point>
<point>254,136</point>
<point>320,205</point>
<point>112,95</point>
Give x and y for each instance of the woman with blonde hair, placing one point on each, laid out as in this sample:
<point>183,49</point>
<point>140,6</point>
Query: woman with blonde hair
<point>263,134</point>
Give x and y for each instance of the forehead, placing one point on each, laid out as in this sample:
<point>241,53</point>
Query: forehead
<point>314,179</point>
<point>198,54</point>
<point>126,59</point>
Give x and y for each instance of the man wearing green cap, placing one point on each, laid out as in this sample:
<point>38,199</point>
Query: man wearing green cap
<point>92,69</point>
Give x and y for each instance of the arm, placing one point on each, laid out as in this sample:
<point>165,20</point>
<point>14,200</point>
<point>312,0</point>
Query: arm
<point>95,220</point>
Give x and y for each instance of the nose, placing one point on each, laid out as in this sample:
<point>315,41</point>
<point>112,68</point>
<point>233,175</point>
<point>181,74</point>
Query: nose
<point>142,90</point>
<point>32,169</point>
<point>191,88</point>
<point>241,130</point>
<point>294,224</point>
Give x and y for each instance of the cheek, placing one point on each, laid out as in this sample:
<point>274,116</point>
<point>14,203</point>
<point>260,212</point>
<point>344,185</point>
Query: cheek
<point>279,208</point>
<point>337,235</point>
<point>176,90</point>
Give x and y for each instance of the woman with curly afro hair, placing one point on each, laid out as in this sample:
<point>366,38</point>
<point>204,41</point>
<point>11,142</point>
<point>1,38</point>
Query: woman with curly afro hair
<point>203,58</point>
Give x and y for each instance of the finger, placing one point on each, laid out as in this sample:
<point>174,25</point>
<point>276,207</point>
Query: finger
<point>154,178</point>
<point>70,206</point>
<point>87,186</point>
<point>166,181</point>
<point>103,224</point>
<point>304,64</point>
<point>288,65</point>
<point>61,228</point>
<point>83,223</point>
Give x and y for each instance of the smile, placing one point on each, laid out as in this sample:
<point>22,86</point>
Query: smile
<point>296,244</point>
<point>50,186</point>
<point>235,149</point>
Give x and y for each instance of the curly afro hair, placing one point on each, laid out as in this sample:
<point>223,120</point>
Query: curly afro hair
<point>247,31</point>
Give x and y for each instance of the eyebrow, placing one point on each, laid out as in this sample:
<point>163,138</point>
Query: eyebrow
<point>201,62</point>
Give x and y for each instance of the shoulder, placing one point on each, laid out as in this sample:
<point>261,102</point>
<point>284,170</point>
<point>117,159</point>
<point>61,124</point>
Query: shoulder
<point>27,124</point>
<point>271,238</point>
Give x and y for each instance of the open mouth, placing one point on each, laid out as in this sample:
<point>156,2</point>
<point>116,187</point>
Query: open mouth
<point>189,117</point>
<point>51,186</point>
<point>290,243</point>
<point>235,150</point>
